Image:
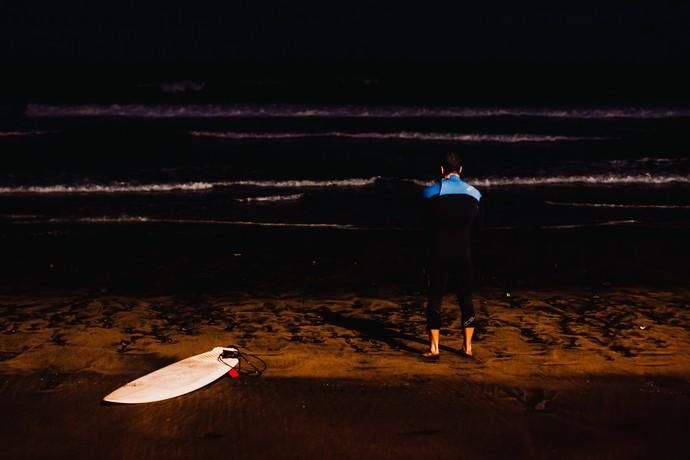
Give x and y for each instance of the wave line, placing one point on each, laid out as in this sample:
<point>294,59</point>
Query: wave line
<point>332,226</point>
<point>617,205</point>
<point>597,179</point>
<point>405,135</point>
<point>153,220</point>
<point>271,198</point>
<point>354,183</point>
<point>24,133</point>
<point>106,188</point>
<point>347,111</point>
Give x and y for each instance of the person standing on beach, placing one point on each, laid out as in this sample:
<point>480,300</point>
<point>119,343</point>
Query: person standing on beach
<point>452,205</point>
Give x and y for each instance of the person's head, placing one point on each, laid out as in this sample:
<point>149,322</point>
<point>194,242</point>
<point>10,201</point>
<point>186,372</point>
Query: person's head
<point>451,164</point>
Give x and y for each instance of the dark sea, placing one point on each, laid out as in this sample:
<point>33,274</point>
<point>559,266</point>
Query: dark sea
<point>290,197</point>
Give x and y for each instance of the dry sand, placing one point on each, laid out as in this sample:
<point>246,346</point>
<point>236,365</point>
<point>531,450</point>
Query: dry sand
<point>557,374</point>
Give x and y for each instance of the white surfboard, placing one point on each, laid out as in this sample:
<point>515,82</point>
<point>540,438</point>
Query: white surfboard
<point>176,379</point>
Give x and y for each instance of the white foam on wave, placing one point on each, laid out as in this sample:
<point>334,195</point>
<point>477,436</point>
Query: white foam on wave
<point>307,183</point>
<point>489,182</point>
<point>271,198</point>
<point>608,223</point>
<point>121,187</point>
<point>24,133</point>
<point>125,219</point>
<point>618,205</point>
<point>649,162</point>
<point>105,220</point>
<point>19,216</point>
<point>599,179</point>
<point>405,135</point>
<point>303,111</point>
<point>267,224</point>
<point>593,180</point>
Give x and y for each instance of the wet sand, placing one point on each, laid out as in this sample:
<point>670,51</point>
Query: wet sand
<point>576,373</point>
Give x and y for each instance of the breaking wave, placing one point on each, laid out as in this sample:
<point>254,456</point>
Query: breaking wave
<point>24,133</point>
<point>619,205</point>
<point>303,111</point>
<point>271,198</point>
<point>489,182</point>
<point>121,187</point>
<point>405,135</point>
<point>608,223</point>
<point>154,220</point>
<point>125,219</point>
<point>593,180</point>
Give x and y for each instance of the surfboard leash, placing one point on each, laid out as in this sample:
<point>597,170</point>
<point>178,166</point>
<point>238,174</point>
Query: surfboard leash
<point>256,370</point>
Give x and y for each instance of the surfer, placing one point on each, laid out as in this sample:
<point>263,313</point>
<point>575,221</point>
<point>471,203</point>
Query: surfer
<point>452,205</point>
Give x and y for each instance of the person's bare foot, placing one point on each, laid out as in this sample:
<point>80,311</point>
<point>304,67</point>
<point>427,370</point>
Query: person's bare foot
<point>466,352</point>
<point>431,356</point>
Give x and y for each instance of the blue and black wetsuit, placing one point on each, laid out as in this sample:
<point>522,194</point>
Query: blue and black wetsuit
<point>452,205</point>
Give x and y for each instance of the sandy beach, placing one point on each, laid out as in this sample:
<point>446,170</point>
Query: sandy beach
<point>558,373</point>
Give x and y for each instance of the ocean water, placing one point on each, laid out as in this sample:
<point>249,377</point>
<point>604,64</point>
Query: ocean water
<point>348,169</point>
<point>343,166</point>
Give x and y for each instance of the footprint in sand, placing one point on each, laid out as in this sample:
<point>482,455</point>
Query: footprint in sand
<point>123,346</point>
<point>623,350</point>
<point>7,355</point>
<point>58,339</point>
<point>52,381</point>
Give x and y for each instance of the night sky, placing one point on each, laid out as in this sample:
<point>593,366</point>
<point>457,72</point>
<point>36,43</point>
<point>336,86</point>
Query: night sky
<point>606,47</point>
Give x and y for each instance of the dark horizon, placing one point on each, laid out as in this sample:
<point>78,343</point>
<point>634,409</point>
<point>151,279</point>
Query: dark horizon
<point>621,52</point>
<point>355,82</point>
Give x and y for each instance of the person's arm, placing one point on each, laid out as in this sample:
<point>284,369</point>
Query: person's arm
<point>478,223</point>
<point>423,234</point>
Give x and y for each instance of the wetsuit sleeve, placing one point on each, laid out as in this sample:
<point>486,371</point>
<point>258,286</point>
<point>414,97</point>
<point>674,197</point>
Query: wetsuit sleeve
<point>478,223</point>
<point>425,232</point>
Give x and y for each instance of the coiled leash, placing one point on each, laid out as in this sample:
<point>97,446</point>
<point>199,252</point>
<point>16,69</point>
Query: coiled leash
<point>256,365</point>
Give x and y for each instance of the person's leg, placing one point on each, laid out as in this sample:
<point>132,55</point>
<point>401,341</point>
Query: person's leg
<point>437,287</point>
<point>463,289</point>
<point>467,343</point>
<point>434,335</point>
